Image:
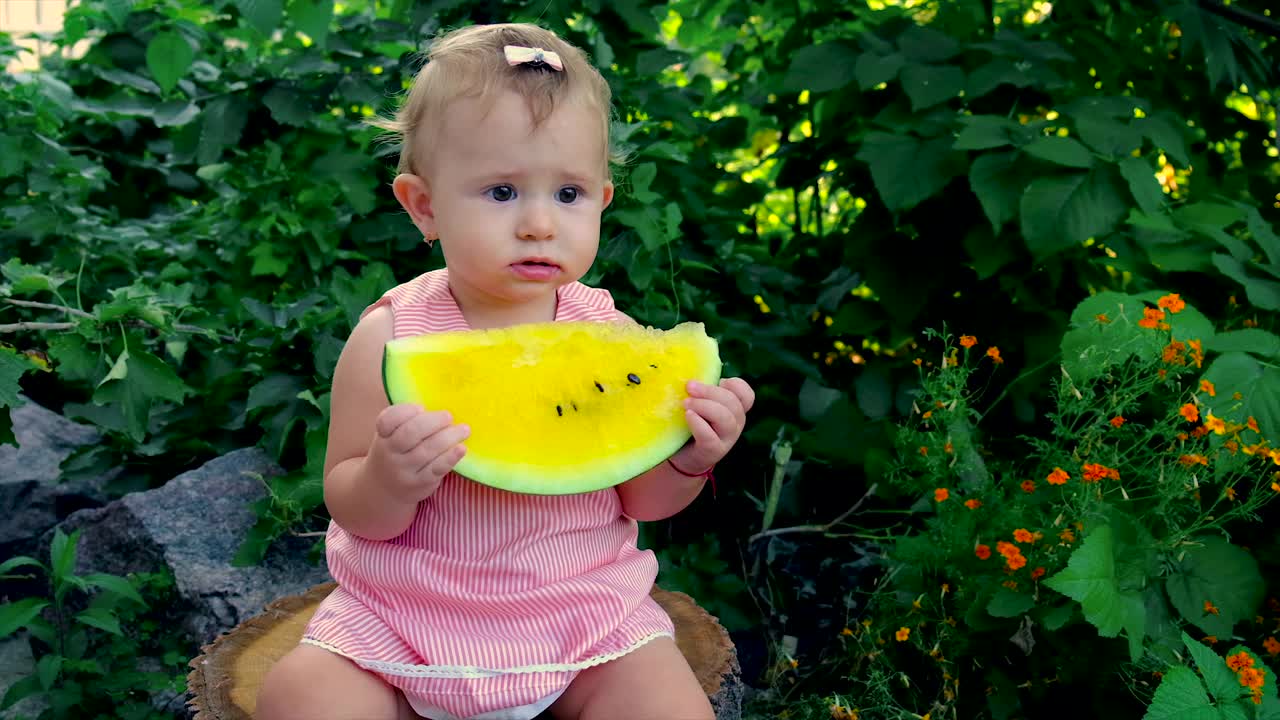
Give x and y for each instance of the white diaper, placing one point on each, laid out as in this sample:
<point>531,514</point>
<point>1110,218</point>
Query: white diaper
<point>524,712</point>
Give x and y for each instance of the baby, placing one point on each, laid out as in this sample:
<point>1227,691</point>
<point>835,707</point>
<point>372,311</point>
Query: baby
<point>454,599</point>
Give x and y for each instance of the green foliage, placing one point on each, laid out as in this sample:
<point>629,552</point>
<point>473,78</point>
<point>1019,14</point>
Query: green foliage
<point>87,665</point>
<point>193,214</point>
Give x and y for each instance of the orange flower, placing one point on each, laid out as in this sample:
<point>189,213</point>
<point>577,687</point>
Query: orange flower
<point>917,362</point>
<point>924,450</point>
<point>902,634</point>
<point>1197,353</point>
<point>1172,353</point>
<point>1093,472</point>
<point>1206,386</point>
<point>927,414</point>
<point>1067,535</point>
<point>1189,412</point>
<point>1037,573</point>
<point>1210,608</point>
<point>968,341</point>
<point>1151,318</point>
<point>1058,477</point>
<point>1272,646</point>
<point>1172,302</point>
<point>1251,677</point>
<point>1230,492</point>
<point>1216,425</point>
<point>948,448</point>
<point>993,352</point>
<point>1028,486</point>
<point>1252,424</point>
<point>1232,446</point>
<point>982,551</point>
<point>1022,535</point>
<point>941,494</point>
<point>1102,318</point>
<point>1193,459</point>
<point>1239,661</point>
<point>1117,421</point>
<point>1016,562</point>
<point>973,504</point>
<point>1200,432</point>
<point>1007,549</point>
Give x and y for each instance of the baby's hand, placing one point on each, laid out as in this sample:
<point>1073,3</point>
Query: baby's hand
<point>413,450</point>
<point>716,416</point>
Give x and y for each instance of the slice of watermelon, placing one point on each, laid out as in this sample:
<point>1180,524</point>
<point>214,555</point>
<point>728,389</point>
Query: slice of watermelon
<point>557,408</point>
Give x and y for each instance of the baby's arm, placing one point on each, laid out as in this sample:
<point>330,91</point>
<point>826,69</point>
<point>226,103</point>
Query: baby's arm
<point>658,493</point>
<point>381,460</point>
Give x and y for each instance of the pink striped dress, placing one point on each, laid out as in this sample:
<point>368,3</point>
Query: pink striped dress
<point>490,599</point>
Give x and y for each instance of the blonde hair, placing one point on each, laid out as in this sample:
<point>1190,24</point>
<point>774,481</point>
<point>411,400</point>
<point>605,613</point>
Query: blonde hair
<point>469,63</point>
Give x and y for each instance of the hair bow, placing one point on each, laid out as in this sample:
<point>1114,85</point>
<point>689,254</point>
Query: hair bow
<point>520,55</point>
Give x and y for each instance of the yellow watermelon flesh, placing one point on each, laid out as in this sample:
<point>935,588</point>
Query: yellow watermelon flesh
<point>557,408</point>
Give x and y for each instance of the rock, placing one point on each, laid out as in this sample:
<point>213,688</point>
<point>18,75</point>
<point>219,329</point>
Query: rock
<point>194,525</point>
<point>16,663</point>
<point>32,500</point>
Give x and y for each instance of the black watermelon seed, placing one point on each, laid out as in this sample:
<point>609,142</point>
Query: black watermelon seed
<point>632,377</point>
<point>559,412</point>
<point>575,406</point>
<point>599,387</point>
<point>655,367</point>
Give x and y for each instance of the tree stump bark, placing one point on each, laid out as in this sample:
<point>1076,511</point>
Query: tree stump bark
<point>224,680</point>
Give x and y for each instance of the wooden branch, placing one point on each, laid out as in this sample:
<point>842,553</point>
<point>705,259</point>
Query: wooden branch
<point>817,528</point>
<point>18,327</point>
<point>1251,20</point>
<point>48,306</point>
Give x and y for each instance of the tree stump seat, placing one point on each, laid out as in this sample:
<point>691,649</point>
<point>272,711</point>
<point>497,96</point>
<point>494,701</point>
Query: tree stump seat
<point>224,681</point>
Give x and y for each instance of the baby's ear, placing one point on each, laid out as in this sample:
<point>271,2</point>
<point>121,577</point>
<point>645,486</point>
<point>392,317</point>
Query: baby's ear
<point>608,194</point>
<point>414,196</point>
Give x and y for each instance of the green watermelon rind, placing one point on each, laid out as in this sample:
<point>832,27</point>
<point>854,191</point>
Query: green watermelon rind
<point>603,473</point>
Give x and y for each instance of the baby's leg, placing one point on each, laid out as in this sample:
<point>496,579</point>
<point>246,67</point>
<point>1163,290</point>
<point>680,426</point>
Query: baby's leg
<point>311,683</point>
<point>654,682</point>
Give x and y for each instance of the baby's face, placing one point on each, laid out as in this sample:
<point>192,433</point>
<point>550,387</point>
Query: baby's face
<point>518,209</point>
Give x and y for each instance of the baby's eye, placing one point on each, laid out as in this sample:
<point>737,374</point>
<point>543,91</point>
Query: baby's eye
<point>502,193</point>
<point>567,195</point>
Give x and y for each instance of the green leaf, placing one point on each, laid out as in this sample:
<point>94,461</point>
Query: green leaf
<point>312,17</point>
<point>74,359</point>
<point>265,15</point>
<point>815,398</point>
<point>1262,234</point>
<point>999,180</point>
<point>266,262</point>
<point>1143,184</point>
<point>821,68</point>
<point>1062,211</point>
<point>142,379</point>
<point>113,584</point>
<point>871,69</point>
<point>18,561</point>
<point>1221,573</point>
<point>1064,151</point>
<point>47,670</point>
<point>12,367</point>
<point>641,178</point>
<point>1167,132</point>
<point>1220,679</point>
<point>29,280</point>
<point>929,85</point>
<point>1181,696</point>
<point>287,106</point>
<point>907,171</point>
<point>874,393</point>
<point>925,44</point>
<point>1108,136</point>
<point>1009,603</point>
<point>988,131</point>
<point>62,555</point>
<point>17,614</point>
<point>1252,340</point>
<point>13,156</point>
<point>1090,578</point>
<point>169,56</point>
<point>222,122</point>
<point>646,223</point>
<point>102,619</point>
<point>1207,214</point>
<point>1056,618</point>
<point>1265,294</point>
